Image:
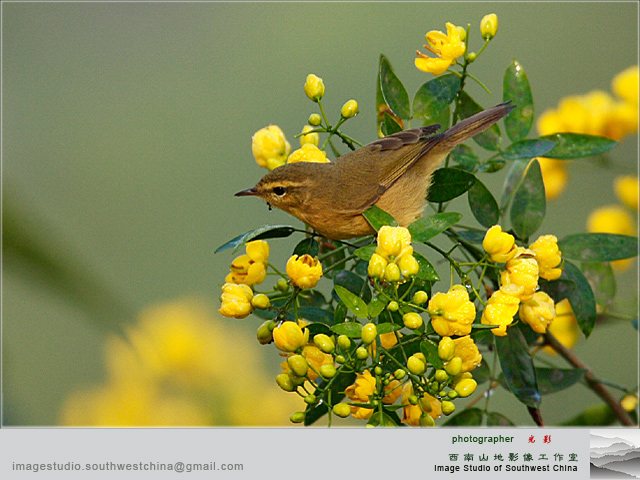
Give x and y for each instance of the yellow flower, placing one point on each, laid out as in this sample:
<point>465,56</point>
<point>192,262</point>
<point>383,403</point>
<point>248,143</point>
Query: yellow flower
<point>626,189</point>
<point>359,392</point>
<point>546,252</point>
<point>393,242</point>
<point>453,312</point>
<point>236,300</point>
<point>489,26</point>
<point>289,337</point>
<point>308,153</point>
<point>625,85</point>
<point>522,270</point>
<point>304,271</point>
<point>611,219</point>
<point>554,176</point>
<point>349,109</point>
<point>500,245</point>
<point>501,308</point>
<point>270,147</point>
<point>538,312</point>
<point>312,137</point>
<point>315,358</point>
<point>447,47</point>
<point>427,404</point>
<point>564,326</point>
<point>467,350</point>
<point>314,87</point>
<point>629,402</point>
<point>251,268</point>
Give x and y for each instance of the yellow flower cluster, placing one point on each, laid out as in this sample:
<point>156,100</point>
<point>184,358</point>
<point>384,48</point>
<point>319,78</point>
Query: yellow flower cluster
<point>177,366</point>
<point>415,414</point>
<point>452,313</point>
<point>616,218</point>
<point>447,49</point>
<point>519,279</point>
<point>393,259</point>
<point>238,299</point>
<point>596,113</point>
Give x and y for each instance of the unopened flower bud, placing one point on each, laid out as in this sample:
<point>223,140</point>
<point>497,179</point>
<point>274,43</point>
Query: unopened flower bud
<point>298,365</point>
<point>409,266</point>
<point>349,109</point>
<point>446,349</point>
<point>297,417</point>
<point>441,376</point>
<point>399,374</point>
<point>324,343</point>
<point>260,301</point>
<point>314,87</point>
<point>392,273</point>
<point>412,320</point>
<point>315,119</point>
<point>361,353</point>
<point>342,410</point>
<point>264,333</point>
<point>310,399</point>
<point>282,285</point>
<point>420,297</point>
<point>285,383</point>
<point>340,359</point>
<point>344,342</point>
<point>466,387</point>
<point>447,407</point>
<point>312,138</point>
<point>415,365</point>
<point>489,26</point>
<point>454,366</point>
<point>369,333</point>
<point>328,370</point>
<point>427,421</point>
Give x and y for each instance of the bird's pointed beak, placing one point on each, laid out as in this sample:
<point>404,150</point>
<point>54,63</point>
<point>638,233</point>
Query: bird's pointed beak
<point>249,191</point>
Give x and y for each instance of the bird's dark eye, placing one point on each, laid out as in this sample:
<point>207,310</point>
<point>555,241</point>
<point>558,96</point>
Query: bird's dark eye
<point>279,191</point>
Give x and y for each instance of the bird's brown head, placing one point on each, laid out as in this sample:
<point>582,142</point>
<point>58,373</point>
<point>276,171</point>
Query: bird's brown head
<point>288,187</point>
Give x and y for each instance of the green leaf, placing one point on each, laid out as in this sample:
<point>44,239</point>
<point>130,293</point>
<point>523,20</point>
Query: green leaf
<point>268,231</point>
<point>552,380</point>
<point>483,206</point>
<point>376,306</point>
<point>434,96</point>
<point>449,183</point>
<point>355,304</point>
<point>430,351</point>
<point>471,417</point>
<point>425,228</point>
<point>517,366</point>
<point>495,419</point>
<point>602,280</point>
<point>490,138</point>
<point>534,147</point>
<point>514,177</point>
<point>578,145</point>
<point>581,298</point>
<point>352,282</point>
<point>427,271</point>
<point>529,205</point>
<point>308,246</point>
<point>492,165</point>
<point>318,327</point>
<point>384,419</point>
<point>378,218</point>
<point>464,157</point>
<point>598,247</point>
<point>365,253</point>
<point>515,87</point>
<point>388,327</point>
<point>315,314</point>
<point>350,329</point>
<point>393,91</point>
<point>391,126</point>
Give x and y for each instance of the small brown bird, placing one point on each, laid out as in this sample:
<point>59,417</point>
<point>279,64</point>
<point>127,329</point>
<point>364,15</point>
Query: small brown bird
<point>393,173</point>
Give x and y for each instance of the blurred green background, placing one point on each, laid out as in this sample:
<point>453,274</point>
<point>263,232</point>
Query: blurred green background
<point>127,129</point>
